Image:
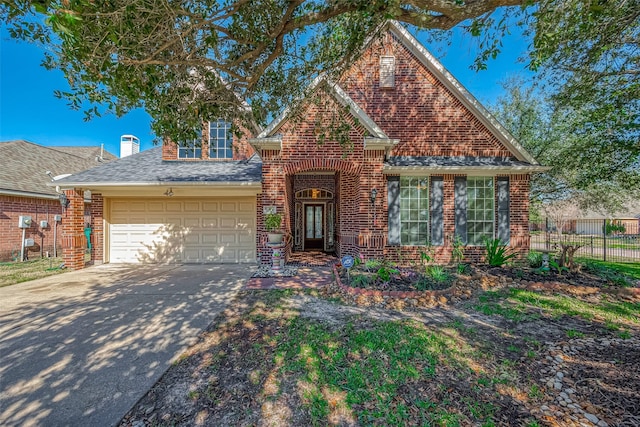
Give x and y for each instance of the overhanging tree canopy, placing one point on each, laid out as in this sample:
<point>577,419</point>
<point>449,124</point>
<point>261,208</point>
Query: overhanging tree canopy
<point>189,61</point>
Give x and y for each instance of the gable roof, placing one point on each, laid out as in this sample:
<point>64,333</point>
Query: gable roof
<point>460,92</point>
<point>343,98</point>
<point>148,168</point>
<point>25,165</point>
<point>440,73</point>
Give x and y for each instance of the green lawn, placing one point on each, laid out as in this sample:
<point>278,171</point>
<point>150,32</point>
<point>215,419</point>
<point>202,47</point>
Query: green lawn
<point>630,269</point>
<point>16,272</point>
<point>287,358</point>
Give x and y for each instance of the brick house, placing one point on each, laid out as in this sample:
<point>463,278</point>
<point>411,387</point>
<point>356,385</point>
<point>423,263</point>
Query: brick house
<point>24,191</point>
<point>417,160</point>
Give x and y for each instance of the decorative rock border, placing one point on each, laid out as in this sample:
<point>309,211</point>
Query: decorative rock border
<point>557,377</point>
<point>465,287</point>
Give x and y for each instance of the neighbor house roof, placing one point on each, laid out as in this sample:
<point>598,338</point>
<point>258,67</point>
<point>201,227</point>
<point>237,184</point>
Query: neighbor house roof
<point>148,168</point>
<point>451,164</point>
<point>25,165</point>
<point>87,152</point>
<point>631,210</point>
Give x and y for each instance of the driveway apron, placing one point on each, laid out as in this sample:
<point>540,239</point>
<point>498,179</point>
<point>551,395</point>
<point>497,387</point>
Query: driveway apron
<point>82,347</point>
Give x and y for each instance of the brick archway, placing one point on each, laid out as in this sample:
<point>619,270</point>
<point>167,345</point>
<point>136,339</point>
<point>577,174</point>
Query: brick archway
<point>351,168</point>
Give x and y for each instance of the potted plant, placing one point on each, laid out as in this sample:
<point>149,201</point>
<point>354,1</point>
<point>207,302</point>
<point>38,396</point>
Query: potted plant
<point>272,223</point>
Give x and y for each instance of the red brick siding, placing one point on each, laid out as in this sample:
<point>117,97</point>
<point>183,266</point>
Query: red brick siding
<point>421,112</point>
<point>97,225</point>
<point>519,186</point>
<point>323,182</point>
<point>73,238</point>
<point>11,207</point>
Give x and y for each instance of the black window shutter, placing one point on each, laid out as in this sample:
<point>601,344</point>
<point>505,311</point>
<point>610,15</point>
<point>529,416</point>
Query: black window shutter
<point>437,206</point>
<point>504,233</point>
<point>393,202</point>
<point>460,184</point>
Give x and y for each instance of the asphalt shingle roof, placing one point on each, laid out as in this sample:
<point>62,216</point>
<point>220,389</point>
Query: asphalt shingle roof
<point>87,152</point>
<point>148,167</point>
<point>23,165</point>
<point>452,161</point>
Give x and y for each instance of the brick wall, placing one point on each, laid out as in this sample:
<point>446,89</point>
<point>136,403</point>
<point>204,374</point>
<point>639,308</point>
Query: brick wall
<point>427,119</point>
<point>73,224</point>
<point>97,225</point>
<point>11,207</point>
<point>419,111</point>
<point>519,186</point>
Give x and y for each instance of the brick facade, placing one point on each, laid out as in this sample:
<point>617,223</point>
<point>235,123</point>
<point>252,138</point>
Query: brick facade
<point>11,207</point>
<point>420,112</point>
<point>73,224</point>
<point>423,115</point>
<point>97,226</point>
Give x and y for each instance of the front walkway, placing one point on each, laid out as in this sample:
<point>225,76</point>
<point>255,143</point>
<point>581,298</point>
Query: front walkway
<point>314,271</point>
<point>81,348</point>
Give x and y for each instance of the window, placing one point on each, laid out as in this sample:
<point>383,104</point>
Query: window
<point>220,140</point>
<point>480,209</point>
<point>189,150</point>
<point>414,210</point>
<point>387,71</point>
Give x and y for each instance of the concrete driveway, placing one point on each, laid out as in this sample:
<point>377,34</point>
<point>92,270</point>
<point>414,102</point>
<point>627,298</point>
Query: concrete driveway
<point>82,347</point>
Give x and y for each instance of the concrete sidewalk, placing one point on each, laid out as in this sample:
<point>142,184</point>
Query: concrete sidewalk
<point>82,347</point>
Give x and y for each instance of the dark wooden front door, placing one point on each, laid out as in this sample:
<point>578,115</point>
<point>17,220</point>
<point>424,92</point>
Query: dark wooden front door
<point>314,227</point>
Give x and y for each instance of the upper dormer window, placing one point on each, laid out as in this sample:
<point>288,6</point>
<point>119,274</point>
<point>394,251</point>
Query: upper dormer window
<point>190,150</point>
<point>387,71</point>
<point>220,140</point>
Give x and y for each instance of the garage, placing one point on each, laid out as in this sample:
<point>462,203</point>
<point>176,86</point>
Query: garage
<point>189,230</point>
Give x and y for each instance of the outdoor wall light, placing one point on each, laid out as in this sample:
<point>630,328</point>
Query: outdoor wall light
<point>374,193</point>
<point>64,202</point>
<point>169,192</point>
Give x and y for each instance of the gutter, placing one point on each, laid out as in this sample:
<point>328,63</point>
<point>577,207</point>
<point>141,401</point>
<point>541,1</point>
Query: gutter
<point>29,194</point>
<point>466,169</point>
<point>225,184</point>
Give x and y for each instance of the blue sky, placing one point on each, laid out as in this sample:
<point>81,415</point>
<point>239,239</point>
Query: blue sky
<point>29,111</point>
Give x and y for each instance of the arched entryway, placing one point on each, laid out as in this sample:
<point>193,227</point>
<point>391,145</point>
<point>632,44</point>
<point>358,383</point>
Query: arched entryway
<point>314,212</point>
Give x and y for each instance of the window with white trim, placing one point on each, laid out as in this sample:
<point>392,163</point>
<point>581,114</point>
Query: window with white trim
<point>414,210</point>
<point>480,209</point>
<point>220,140</point>
<point>190,150</point>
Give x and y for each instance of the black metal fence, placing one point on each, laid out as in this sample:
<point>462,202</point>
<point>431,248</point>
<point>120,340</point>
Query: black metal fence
<point>607,240</point>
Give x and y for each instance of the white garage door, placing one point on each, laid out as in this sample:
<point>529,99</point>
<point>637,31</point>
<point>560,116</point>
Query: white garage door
<point>183,230</point>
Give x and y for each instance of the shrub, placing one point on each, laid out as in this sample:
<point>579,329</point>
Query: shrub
<point>384,273</point>
<point>438,273</point>
<point>457,253</point>
<point>614,227</point>
<point>463,268</point>
<point>497,253</point>
<point>372,264</point>
<point>535,259</point>
<point>272,221</point>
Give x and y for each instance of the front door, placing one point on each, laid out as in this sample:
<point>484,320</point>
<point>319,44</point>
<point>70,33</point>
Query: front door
<point>313,227</point>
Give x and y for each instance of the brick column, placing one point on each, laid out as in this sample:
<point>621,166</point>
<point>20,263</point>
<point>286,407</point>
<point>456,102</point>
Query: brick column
<point>519,213</point>
<point>73,240</point>
<point>97,225</point>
